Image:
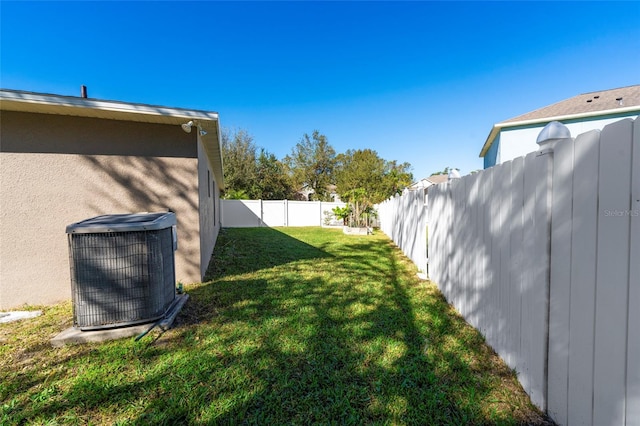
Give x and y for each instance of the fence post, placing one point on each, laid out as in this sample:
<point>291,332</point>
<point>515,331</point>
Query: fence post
<point>286,212</point>
<point>548,138</point>
<point>261,219</point>
<point>560,280</point>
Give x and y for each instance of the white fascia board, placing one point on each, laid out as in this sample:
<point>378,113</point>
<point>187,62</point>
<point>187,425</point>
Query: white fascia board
<point>492,135</point>
<point>75,104</point>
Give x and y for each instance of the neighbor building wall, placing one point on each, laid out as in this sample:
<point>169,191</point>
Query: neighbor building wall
<point>519,141</point>
<point>57,170</point>
<point>491,157</point>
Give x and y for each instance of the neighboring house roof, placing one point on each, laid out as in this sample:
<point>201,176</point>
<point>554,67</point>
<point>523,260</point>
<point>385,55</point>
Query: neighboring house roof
<point>436,179</point>
<point>594,104</point>
<point>427,182</point>
<point>14,100</point>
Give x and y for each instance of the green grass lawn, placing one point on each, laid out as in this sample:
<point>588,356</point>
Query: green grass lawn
<point>293,326</point>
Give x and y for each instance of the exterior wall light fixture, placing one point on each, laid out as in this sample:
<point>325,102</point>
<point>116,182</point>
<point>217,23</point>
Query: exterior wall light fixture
<point>187,127</point>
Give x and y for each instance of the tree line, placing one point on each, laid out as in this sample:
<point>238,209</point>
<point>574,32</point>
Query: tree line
<point>313,167</point>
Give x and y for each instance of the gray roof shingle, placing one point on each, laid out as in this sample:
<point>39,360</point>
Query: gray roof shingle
<point>603,100</point>
<point>623,100</point>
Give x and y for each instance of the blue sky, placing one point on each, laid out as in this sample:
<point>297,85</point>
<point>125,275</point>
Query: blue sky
<point>421,82</point>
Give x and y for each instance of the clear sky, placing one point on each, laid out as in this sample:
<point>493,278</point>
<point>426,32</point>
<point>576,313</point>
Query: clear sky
<point>421,82</point>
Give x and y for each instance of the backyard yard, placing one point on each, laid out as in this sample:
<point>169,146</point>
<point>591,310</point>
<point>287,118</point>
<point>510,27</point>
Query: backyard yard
<point>292,326</point>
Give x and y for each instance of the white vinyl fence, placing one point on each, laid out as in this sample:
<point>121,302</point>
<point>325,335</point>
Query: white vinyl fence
<point>404,219</point>
<point>542,255</point>
<point>257,213</point>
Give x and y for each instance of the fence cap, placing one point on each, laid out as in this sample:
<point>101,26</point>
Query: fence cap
<point>552,132</point>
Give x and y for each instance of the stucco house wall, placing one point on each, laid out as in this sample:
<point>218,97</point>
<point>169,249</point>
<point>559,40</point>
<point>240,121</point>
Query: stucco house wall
<point>209,210</point>
<point>59,169</point>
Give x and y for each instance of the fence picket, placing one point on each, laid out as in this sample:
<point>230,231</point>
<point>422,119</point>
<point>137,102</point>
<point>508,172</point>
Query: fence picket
<point>612,273</point>
<point>476,216</point>
<point>529,287</point>
<point>504,184</point>
<point>487,191</point>
<point>516,266</point>
<point>583,278</point>
<point>633,343</point>
<point>560,289</point>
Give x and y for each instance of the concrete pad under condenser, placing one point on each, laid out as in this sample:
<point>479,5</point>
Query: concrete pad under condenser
<point>74,335</point>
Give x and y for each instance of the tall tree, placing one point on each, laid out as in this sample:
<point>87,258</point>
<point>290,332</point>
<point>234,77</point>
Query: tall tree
<point>360,169</point>
<point>239,159</point>
<point>312,162</point>
<point>442,172</point>
<point>379,178</point>
<point>396,178</point>
<point>364,179</point>
<point>272,180</point>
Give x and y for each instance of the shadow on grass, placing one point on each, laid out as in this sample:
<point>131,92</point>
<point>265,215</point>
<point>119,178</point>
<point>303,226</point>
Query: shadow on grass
<point>242,250</point>
<point>346,346</point>
<point>303,326</point>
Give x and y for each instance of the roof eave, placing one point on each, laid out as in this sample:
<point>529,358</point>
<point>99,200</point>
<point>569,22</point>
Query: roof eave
<point>11,100</point>
<point>492,135</point>
<point>499,126</point>
<point>212,143</point>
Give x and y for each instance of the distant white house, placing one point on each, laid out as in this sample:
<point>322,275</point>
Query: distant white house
<point>590,111</point>
<point>305,193</point>
<point>424,184</point>
<point>427,182</point>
